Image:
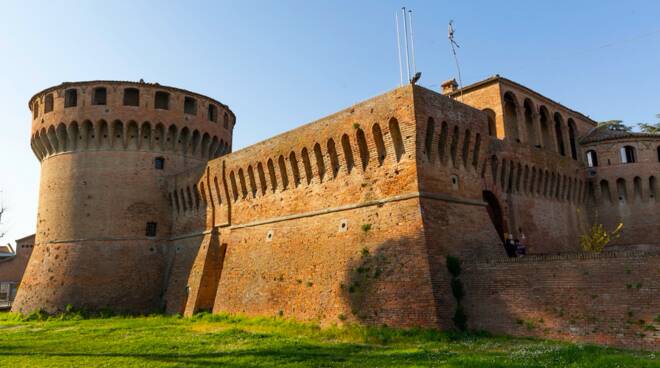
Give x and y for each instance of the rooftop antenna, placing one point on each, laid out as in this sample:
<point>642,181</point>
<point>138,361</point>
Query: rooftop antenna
<point>454,46</point>
<point>412,42</point>
<point>405,41</point>
<point>409,50</point>
<point>398,47</point>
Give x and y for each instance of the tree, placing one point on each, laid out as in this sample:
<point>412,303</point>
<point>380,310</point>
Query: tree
<point>615,125</point>
<point>595,238</point>
<point>650,128</point>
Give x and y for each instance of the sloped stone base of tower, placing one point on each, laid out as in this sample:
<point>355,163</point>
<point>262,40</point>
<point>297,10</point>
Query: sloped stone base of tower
<point>93,276</point>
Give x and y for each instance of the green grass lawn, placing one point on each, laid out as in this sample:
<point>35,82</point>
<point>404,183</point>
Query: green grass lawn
<point>230,341</point>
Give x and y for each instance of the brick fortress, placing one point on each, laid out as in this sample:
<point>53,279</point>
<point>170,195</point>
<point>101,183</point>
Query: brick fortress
<point>144,206</point>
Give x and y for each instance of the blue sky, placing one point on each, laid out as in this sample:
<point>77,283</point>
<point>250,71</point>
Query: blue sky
<point>279,64</point>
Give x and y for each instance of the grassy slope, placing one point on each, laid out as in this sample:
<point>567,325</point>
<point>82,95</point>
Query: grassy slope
<point>207,340</point>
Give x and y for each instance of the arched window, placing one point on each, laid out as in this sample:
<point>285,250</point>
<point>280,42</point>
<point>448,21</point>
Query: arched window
<point>131,97</point>
<point>70,97</point>
<point>189,106</point>
<point>475,154</point>
<point>397,141</point>
<point>529,123</point>
<point>334,160</point>
<point>162,100</point>
<point>234,187</point>
<point>559,134</point>
<point>348,153</point>
<point>307,164</point>
<point>99,96</point>
<point>241,180</point>
<point>592,158</point>
<point>442,142</point>
<point>35,114</point>
<point>213,113</point>
<point>637,188</point>
<point>430,132</point>
<point>293,161</point>
<point>621,189</point>
<point>320,164</point>
<point>572,138</point>
<point>271,173</point>
<point>262,178</point>
<point>511,117</point>
<point>283,174</point>
<point>48,104</point>
<point>466,148</point>
<point>652,187</point>
<point>253,182</point>
<point>362,147</point>
<point>380,144</point>
<point>454,146</point>
<point>628,155</point>
<point>225,121</point>
<point>492,128</point>
<point>546,140</point>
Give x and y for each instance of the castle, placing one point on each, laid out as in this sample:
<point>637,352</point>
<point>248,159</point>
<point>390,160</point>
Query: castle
<point>144,206</point>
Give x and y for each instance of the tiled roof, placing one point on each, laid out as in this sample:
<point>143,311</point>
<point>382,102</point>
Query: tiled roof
<point>605,133</point>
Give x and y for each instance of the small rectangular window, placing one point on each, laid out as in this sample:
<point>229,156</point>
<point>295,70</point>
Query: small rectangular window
<point>151,229</point>
<point>190,106</point>
<point>48,104</point>
<point>162,100</point>
<point>131,97</point>
<point>213,113</point>
<point>70,98</point>
<point>99,96</point>
<point>159,163</point>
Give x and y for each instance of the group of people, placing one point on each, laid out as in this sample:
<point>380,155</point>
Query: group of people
<point>514,247</point>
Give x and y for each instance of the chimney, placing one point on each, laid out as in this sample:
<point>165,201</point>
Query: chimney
<point>449,86</point>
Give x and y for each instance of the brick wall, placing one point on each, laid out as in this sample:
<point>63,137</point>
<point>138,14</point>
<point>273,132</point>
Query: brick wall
<point>591,298</point>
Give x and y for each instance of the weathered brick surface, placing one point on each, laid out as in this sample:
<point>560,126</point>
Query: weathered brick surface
<point>99,188</point>
<point>611,298</point>
<point>348,218</point>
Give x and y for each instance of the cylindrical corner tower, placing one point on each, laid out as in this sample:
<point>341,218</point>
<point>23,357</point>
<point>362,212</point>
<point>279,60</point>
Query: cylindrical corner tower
<point>103,222</point>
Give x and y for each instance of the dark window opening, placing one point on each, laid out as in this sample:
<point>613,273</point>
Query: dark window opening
<point>190,106</point>
<point>131,97</point>
<point>70,98</point>
<point>213,113</point>
<point>48,104</point>
<point>162,100</point>
<point>151,229</point>
<point>226,121</point>
<point>592,158</point>
<point>99,96</point>
<point>159,163</point>
<point>628,154</point>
